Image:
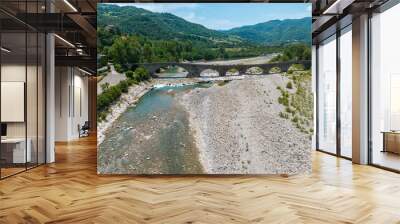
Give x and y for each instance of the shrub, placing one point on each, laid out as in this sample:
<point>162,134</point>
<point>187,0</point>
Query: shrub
<point>129,74</point>
<point>284,115</point>
<point>124,85</point>
<point>105,86</point>
<point>289,85</point>
<point>101,116</point>
<point>283,100</point>
<point>108,96</point>
<point>118,68</point>
<point>142,74</point>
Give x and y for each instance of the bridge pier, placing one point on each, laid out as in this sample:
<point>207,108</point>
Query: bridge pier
<point>222,71</point>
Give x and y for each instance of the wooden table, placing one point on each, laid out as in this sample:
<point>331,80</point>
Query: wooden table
<point>391,141</point>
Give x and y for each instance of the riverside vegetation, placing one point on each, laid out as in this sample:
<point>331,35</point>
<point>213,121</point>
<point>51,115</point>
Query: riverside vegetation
<point>298,99</point>
<point>111,94</point>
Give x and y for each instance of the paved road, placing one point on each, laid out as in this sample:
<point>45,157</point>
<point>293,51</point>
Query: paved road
<point>113,78</point>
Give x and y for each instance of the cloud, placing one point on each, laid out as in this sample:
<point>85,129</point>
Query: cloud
<point>309,8</point>
<point>221,24</point>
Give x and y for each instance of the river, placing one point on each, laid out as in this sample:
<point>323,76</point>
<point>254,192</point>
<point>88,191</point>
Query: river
<point>152,137</point>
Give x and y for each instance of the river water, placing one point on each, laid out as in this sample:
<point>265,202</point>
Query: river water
<point>152,137</point>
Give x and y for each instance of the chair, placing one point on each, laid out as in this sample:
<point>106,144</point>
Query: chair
<point>84,130</point>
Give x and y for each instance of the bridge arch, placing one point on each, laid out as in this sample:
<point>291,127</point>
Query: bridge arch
<point>171,71</point>
<point>233,72</point>
<point>209,72</point>
<point>254,70</point>
<point>275,69</point>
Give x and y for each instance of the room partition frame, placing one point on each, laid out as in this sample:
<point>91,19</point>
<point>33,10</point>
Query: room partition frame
<point>22,90</point>
<point>330,99</point>
<point>384,87</point>
<point>378,69</point>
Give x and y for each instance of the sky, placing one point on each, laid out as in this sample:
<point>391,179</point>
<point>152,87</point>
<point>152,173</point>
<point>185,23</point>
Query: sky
<point>223,16</point>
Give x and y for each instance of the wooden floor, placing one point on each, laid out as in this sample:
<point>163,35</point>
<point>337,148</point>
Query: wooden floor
<point>70,191</point>
<point>387,159</point>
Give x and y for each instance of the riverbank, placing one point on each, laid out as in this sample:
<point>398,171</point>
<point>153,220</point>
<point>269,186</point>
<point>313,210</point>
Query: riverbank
<point>238,129</point>
<point>135,93</point>
<point>126,100</point>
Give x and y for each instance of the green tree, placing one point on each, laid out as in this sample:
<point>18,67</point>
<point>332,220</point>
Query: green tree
<point>130,74</point>
<point>141,74</point>
<point>125,50</point>
<point>222,53</point>
<point>147,52</point>
<point>103,61</point>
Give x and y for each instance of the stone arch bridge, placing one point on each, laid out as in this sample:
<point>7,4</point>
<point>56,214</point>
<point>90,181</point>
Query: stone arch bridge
<point>195,69</point>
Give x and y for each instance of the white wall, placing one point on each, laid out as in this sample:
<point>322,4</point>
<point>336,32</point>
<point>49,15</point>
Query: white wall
<point>33,126</point>
<point>71,87</point>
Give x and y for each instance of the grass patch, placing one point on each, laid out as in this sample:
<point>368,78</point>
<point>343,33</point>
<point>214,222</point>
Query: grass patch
<point>298,104</point>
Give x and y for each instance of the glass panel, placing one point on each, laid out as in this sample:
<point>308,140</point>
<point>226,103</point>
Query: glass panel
<point>22,88</point>
<point>31,98</point>
<point>346,92</point>
<point>41,99</point>
<point>13,86</point>
<point>385,89</point>
<point>32,89</point>
<point>327,95</point>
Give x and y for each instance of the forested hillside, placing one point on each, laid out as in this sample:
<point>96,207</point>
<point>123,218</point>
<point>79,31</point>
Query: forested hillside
<point>276,31</point>
<point>130,35</point>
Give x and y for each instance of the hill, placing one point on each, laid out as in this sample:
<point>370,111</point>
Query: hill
<point>276,31</point>
<point>166,26</point>
<point>132,20</point>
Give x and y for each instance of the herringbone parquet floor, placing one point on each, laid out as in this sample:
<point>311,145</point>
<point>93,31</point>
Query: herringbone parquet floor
<point>70,191</point>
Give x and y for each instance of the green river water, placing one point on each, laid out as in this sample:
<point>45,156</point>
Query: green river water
<point>152,137</point>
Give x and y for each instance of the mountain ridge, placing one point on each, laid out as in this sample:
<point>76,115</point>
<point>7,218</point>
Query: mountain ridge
<point>133,20</point>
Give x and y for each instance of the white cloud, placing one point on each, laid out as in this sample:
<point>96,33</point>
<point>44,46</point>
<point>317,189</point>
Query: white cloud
<point>222,24</point>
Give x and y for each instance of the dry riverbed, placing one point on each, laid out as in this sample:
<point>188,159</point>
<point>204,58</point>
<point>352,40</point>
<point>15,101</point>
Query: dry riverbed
<point>238,129</point>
